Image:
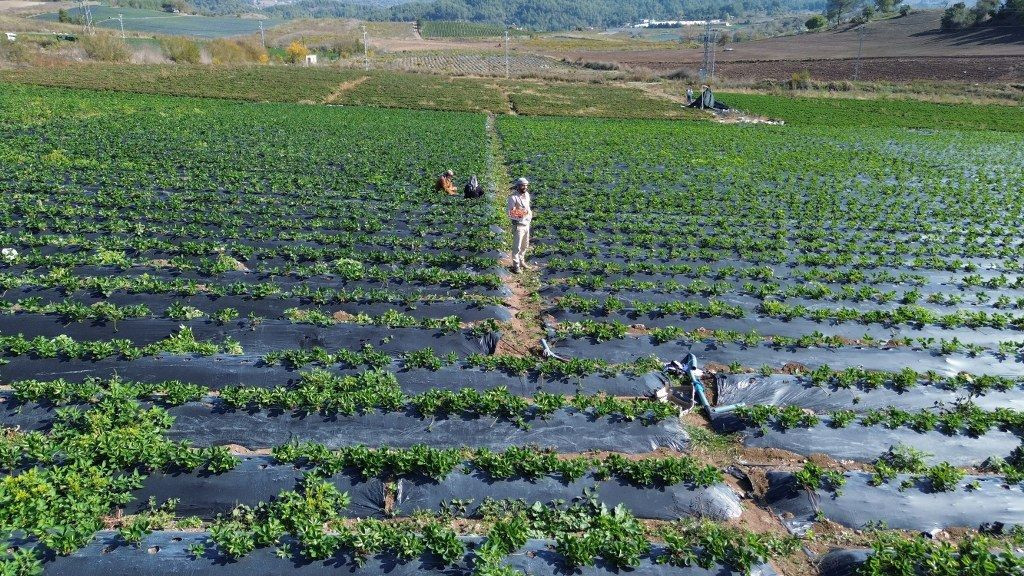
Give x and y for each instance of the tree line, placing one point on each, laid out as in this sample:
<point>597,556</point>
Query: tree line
<point>546,14</point>
<point>959,16</point>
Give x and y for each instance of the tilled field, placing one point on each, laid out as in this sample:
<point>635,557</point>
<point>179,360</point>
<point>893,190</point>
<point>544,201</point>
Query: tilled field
<point>250,338</point>
<point>961,69</point>
<point>896,50</point>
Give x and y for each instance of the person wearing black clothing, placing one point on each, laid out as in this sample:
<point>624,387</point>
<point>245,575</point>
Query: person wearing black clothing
<point>473,188</point>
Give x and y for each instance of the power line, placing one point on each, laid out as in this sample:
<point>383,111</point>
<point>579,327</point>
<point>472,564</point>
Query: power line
<point>366,52</point>
<point>88,17</point>
<point>507,67</point>
<point>263,36</point>
<point>120,19</point>
<point>860,48</point>
<point>707,69</point>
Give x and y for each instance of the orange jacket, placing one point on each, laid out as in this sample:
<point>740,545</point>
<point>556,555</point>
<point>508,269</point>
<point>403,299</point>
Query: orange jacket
<point>444,184</point>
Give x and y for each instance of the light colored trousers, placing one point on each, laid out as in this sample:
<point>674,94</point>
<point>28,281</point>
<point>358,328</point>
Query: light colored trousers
<point>520,243</point>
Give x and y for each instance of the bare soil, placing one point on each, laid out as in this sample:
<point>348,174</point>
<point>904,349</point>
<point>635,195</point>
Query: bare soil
<point>523,331</point>
<point>344,87</point>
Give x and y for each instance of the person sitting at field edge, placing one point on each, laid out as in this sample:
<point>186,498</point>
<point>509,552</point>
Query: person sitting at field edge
<point>473,188</point>
<point>445,184</point>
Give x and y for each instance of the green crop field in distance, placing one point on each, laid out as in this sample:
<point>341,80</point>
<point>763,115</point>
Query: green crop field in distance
<point>457,29</point>
<point>259,83</point>
<point>881,113</point>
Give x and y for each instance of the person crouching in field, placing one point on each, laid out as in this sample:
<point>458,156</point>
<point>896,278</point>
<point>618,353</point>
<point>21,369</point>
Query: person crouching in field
<point>445,184</point>
<point>473,188</point>
<point>521,215</point>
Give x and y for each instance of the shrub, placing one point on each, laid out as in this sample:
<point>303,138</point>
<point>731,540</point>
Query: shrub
<point>105,48</point>
<point>816,22</point>
<point>905,10</point>
<point>800,80</point>
<point>227,51</point>
<point>297,52</point>
<point>16,52</point>
<point>181,50</point>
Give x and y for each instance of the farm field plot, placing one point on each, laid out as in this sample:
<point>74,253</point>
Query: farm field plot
<point>457,29</point>
<point>156,22</point>
<point>482,64</point>
<point>250,337</point>
<point>856,290</point>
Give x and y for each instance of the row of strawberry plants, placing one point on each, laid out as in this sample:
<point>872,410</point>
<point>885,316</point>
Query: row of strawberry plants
<point>524,462</point>
<point>808,290</point>
<point>964,418</point>
<point>181,342</point>
<point>145,283</point>
<point>865,261</point>
<point>322,391</point>
<point>442,253</point>
<point>582,532</point>
<point>60,485</point>
<point>217,266</point>
<point>607,330</point>
<point>563,239</point>
<point>71,310</point>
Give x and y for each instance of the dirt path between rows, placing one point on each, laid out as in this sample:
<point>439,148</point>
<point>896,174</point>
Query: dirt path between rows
<point>344,87</point>
<point>522,334</point>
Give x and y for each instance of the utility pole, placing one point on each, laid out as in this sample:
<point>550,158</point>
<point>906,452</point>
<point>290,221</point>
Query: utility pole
<point>860,47</point>
<point>263,36</point>
<point>120,19</point>
<point>366,52</point>
<point>707,69</point>
<point>507,67</point>
<point>88,17</point>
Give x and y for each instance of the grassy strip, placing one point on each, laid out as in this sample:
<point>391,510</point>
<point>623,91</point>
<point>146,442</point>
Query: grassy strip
<point>599,100</point>
<point>849,113</point>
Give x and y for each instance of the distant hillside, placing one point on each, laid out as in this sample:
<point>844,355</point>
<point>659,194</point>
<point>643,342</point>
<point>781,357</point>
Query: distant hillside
<point>543,14</point>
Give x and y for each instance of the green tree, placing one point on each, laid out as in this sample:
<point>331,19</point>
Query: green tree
<point>985,9</point>
<point>957,17</point>
<point>816,22</point>
<point>887,6</point>
<point>1013,9</point>
<point>836,9</point>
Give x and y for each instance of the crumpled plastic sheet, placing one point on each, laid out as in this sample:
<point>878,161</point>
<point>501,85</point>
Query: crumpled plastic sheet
<point>631,348</point>
<point>716,502</point>
<point>843,562</point>
<point>783,390</point>
<point>915,508</point>
<point>168,554</point>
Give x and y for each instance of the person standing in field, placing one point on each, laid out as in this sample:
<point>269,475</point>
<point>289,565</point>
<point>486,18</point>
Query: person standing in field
<point>689,95</point>
<point>521,215</point>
